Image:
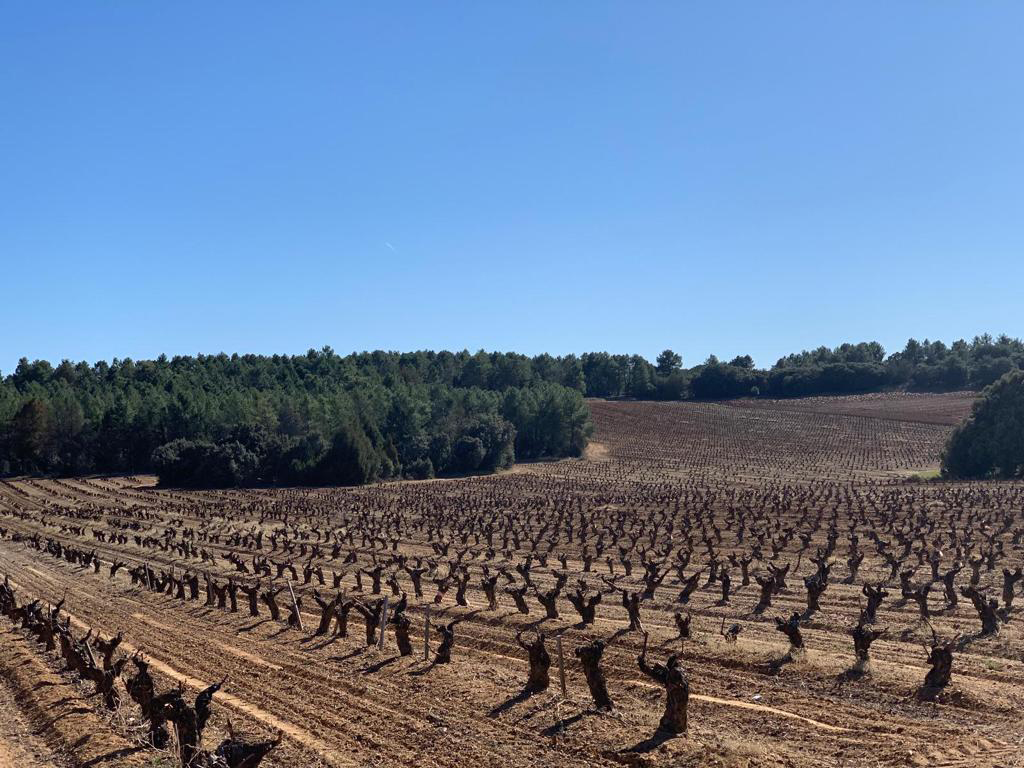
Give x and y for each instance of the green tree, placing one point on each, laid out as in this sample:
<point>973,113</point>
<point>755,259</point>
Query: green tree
<point>668,361</point>
<point>991,440</point>
<point>351,459</point>
<point>641,378</point>
<point>31,434</point>
<point>67,426</point>
<point>468,454</point>
<point>743,361</point>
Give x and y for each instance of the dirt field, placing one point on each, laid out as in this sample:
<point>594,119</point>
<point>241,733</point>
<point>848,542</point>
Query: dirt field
<point>769,483</point>
<point>950,408</point>
<point>20,746</point>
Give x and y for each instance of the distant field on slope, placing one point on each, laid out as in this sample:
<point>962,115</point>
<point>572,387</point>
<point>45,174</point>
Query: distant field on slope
<point>949,408</point>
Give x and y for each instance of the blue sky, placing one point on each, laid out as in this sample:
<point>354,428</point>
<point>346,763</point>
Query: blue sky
<point>717,177</point>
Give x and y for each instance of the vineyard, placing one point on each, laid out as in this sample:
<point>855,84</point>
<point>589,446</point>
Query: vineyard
<point>826,606</point>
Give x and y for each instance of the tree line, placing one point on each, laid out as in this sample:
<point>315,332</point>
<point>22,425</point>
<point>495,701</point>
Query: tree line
<point>924,366</point>
<point>318,418</point>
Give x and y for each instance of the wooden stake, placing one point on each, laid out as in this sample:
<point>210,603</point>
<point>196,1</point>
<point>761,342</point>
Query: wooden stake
<point>383,623</point>
<point>296,604</point>
<point>561,665</point>
<point>426,635</point>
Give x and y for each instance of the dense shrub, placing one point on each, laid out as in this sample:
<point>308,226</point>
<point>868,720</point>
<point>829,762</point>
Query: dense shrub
<point>827,378</point>
<point>202,464</point>
<point>718,381</point>
<point>991,440</point>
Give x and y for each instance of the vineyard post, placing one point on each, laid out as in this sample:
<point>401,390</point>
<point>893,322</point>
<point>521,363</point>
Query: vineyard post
<point>426,635</point>
<point>296,604</point>
<point>561,665</point>
<point>383,623</point>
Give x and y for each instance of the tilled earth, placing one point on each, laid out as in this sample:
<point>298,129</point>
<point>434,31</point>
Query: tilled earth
<point>340,703</point>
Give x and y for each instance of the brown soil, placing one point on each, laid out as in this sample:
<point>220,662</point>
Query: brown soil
<point>45,720</point>
<point>20,747</point>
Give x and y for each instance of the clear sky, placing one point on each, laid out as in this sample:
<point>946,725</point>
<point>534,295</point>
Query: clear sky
<point>753,177</point>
